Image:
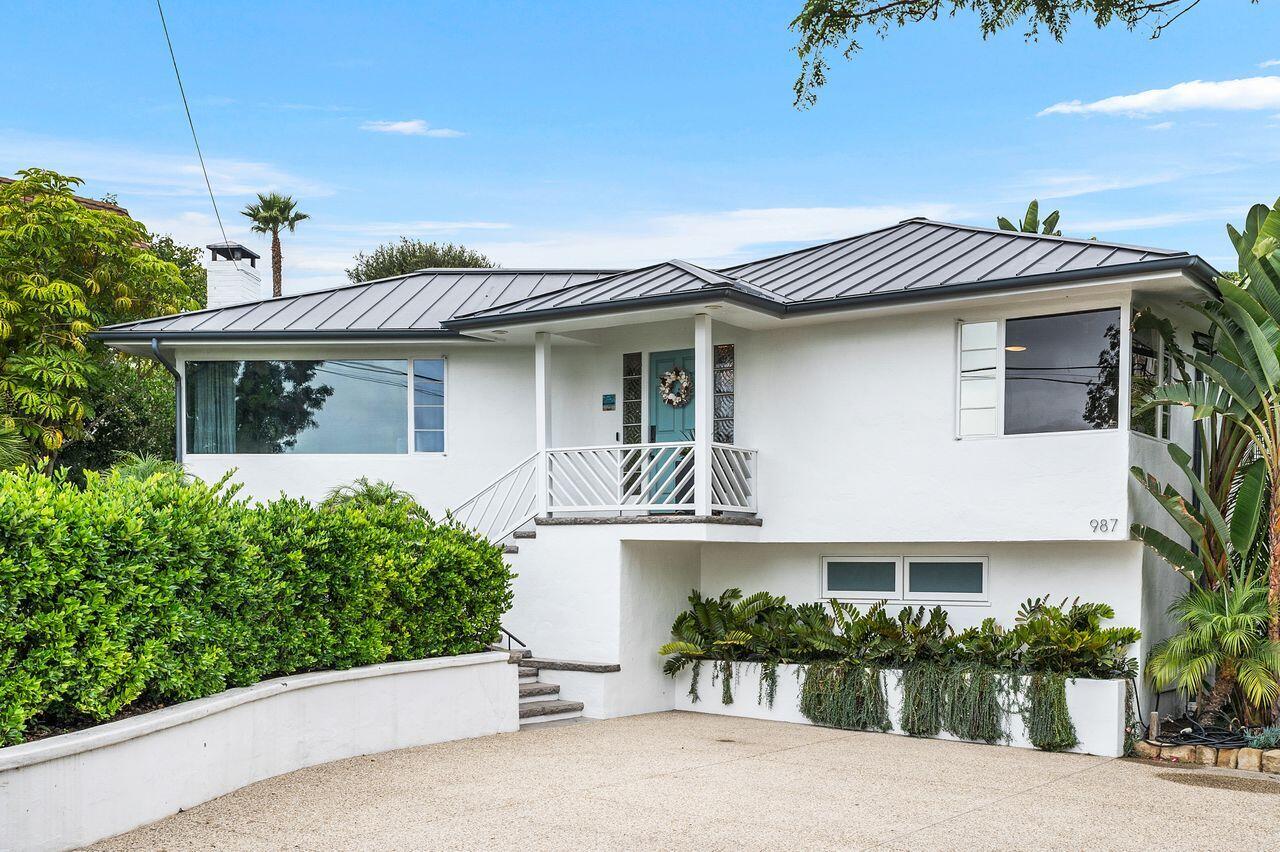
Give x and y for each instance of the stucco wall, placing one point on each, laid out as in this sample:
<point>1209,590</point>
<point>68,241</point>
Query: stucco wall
<point>1104,572</point>
<point>71,790</point>
<point>854,420</point>
<point>485,385</point>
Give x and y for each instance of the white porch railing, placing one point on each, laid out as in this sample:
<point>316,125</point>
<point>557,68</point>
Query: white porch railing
<point>647,477</point>
<point>505,505</point>
<point>615,478</point>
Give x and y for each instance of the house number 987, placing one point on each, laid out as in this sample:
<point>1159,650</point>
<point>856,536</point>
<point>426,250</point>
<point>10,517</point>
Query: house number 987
<point>1104,525</point>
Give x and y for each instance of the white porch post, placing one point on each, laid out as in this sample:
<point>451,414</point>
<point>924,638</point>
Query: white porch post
<point>542,412</point>
<point>703,401</point>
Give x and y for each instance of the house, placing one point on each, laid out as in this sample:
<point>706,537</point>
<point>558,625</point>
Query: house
<point>926,413</point>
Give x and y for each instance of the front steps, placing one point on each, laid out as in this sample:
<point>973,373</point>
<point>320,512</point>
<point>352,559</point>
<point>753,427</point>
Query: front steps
<point>540,702</point>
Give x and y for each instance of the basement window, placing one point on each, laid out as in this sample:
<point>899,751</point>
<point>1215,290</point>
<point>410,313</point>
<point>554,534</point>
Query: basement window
<point>907,579</point>
<point>862,577</point>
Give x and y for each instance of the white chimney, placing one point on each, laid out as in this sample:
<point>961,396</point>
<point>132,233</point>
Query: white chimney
<point>232,275</point>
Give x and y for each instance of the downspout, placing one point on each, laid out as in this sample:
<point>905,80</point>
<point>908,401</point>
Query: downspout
<point>177,398</point>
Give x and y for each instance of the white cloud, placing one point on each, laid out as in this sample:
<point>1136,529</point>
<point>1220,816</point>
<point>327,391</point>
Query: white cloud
<point>1270,63</point>
<point>1161,125</point>
<point>1159,220</point>
<point>411,127</point>
<point>129,172</point>
<point>718,238</point>
<point>419,228</point>
<point>1250,93</point>
<point>1071,184</point>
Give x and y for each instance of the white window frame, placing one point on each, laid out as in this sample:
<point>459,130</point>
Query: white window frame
<point>413,442</point>
<point>846,595</point>
<point>1124,404</point>
<point>972,597</point>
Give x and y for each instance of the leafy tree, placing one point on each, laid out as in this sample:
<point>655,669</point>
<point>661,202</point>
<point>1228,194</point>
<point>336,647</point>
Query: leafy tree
<point>273,212</point>
<point>838,24</point>
<point>66,269</point>
<point>132,398</point>
<point>187,259</point>
<point>1031,224</point>
<point>408,255</point>
<point>132,404</point>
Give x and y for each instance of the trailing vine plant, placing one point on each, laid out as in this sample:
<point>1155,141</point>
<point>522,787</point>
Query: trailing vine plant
<point>768,688</point>
<point>842,695</point>
<point>1045,713</point>
<point>975,704</point>
<point>924,689</point>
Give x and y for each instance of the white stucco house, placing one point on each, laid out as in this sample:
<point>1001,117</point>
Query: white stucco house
<point>926,413</point>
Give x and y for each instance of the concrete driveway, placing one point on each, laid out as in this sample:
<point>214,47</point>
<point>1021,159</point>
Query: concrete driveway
<point>689,781</point>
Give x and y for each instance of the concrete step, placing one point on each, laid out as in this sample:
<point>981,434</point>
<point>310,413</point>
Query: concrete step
<point>525,534</point>
<point>530,692</point>
<point>528,675</point>
<point>546,711</point>
<point>511,549</point>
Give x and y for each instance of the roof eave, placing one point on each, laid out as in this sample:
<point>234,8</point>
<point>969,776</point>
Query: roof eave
<point>171,337</point>
<point>727,294</point>
<point>1199,272</point>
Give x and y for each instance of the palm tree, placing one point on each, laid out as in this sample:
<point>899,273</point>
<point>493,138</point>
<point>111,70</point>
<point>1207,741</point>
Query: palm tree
<point>273,212</point>
<point>1223,632</point>
<point>1031,223</point>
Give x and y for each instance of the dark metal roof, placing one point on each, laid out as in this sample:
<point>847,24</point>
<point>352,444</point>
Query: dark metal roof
<point>662,279</point>
<point>919,253</point>
<point>914,260</point>
<point>408,305</point>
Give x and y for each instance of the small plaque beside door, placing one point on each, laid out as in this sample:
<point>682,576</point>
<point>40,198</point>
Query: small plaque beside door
<point>609,402</point>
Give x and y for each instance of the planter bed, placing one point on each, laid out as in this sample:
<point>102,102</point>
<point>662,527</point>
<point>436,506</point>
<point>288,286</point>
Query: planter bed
<point>74,789</point>
<point>1096,706</point>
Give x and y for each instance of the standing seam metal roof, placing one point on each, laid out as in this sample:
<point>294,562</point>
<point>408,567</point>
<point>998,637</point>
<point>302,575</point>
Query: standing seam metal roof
<point>913,256</point>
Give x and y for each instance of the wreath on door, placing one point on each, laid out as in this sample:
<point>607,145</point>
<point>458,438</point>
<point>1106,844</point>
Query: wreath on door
<point>675,387</point>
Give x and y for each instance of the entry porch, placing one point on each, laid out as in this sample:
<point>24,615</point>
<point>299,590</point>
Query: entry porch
<point>674,453</point>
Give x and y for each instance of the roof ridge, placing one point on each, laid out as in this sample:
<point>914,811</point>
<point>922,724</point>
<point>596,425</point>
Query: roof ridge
<point>1051,237</point>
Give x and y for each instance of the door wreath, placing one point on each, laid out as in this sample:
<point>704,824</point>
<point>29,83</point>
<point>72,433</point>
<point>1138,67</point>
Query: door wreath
<point>675,387</point>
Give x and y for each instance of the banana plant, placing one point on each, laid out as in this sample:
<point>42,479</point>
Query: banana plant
<point>1226,545</point>
<point>1030,223</point>
<point>1238,382</point>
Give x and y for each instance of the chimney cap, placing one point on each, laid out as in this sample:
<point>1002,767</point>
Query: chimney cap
<point>231,251</point>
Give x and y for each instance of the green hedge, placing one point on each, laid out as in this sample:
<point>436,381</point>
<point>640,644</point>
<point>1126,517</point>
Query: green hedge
<point>153,591</point>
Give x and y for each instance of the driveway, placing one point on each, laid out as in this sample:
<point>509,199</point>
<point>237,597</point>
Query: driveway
<point>693,781</point>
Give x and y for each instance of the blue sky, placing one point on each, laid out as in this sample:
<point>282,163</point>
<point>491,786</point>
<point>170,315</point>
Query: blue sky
<point>601,134</point>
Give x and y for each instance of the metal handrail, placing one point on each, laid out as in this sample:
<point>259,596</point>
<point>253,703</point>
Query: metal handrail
<point>511,637</point>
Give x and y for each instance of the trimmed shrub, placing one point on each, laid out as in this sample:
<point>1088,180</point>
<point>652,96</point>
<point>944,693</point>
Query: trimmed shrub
<point>138,592</point>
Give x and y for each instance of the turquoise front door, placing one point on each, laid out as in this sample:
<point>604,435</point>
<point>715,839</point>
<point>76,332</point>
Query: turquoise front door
<point>667,423</point>
<point>670,482</point>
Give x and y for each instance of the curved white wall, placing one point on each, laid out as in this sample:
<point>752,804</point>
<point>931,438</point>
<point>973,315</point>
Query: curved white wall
<point>77,788</point>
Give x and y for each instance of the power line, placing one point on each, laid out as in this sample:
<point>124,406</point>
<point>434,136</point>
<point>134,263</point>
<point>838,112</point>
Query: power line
<point>187,108</point>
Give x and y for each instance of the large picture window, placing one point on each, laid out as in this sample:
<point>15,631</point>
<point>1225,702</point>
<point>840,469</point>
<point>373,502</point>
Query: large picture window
<point>269,407</point>
<point>1058,373</point>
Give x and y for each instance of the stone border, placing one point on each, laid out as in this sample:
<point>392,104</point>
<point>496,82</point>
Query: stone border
<point>1248,759</point>
<point>74,789</point>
